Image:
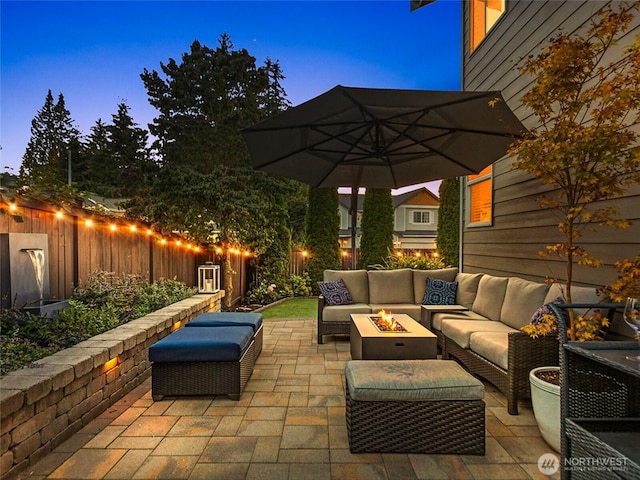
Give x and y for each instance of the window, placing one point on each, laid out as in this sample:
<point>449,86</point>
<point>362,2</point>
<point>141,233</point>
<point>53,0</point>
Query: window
<point>483,15</point>
<point>420,216</point>
<point>480,198</point>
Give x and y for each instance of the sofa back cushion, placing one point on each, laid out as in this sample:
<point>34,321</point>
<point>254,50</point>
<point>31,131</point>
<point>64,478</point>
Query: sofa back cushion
<point>467,288</point>
<point>391,286</point>
<point>355,280</point>
<point>420,280</point>
<point>521,300</point>
<point>578,295</point>
<point>491,292</point>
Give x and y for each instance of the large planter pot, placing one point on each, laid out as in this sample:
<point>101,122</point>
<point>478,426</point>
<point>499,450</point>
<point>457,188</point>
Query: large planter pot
<point>545,398</point>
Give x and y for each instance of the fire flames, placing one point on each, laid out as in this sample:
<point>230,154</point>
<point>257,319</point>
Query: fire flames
<point>387,319</point>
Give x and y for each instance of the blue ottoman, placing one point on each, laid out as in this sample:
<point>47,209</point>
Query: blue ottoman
<point>227,319</point>
<point>202,361</point>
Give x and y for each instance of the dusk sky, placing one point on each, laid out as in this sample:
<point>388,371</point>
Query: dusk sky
<point>94,52</point>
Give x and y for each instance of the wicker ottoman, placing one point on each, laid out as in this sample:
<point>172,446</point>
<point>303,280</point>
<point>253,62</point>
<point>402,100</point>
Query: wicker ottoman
<point>202,361</point>
<point>227,319</point>
<point>414,406</point>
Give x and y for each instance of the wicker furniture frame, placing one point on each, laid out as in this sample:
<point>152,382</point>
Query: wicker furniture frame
<point>202,378</point>
<point>444,426</point>
<point>330,328</point>
<point>525,354</point>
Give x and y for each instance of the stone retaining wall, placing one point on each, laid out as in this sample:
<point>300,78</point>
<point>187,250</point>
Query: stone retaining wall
<point>44,404</point>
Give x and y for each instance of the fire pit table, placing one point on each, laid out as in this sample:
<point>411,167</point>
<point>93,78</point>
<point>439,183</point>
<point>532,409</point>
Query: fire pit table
<point>373,339</point>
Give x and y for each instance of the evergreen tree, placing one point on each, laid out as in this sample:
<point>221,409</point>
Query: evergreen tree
<point>448,236</point>
<point>130,159</point>
<point>53,137</point>
<point>322,228</point>
<point>206,185</point>
<point>377,227</point>
<point>97,176</point>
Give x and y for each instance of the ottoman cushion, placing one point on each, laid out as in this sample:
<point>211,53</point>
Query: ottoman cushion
<point>202,344</point>
<point>411,380</point>
<point>227,319</point>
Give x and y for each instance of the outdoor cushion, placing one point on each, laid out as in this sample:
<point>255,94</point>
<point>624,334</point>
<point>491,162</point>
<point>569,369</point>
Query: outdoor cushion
<point>460,330</point>
<point>578,295</point>
<point>411,380</point>
<point>407,308</point>
<point>202,344</point>
<point>437,318</point>
<point>355,280</point>
<point>521,300</point>
<point>467,288</point>
<point>491,291</point>
<point>227,319</point>
<point>494,346</point>
<point>439,292</point>
<point>342,313</point>
<point>420,280</point>
<point>335,293</point>
<point>391,286</point>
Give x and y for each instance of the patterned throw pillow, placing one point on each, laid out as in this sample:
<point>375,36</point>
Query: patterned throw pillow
<point>335,293</point>
<point>439,292</point>
<point>536,319</point>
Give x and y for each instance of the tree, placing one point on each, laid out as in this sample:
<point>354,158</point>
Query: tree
<point>585,96</point>
<point>322,228</point>
<point>97,176</point>
<point>206,185</point>
<point>53,137</point>
<point>448,235</point>
<point>377,227</point>
<point>130,160</point>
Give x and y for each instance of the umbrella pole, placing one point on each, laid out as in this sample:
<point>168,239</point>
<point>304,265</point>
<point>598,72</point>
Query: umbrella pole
<point>354,221</point>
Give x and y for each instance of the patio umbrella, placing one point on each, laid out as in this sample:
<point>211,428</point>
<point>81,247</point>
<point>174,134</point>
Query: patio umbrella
<point>383,138</point>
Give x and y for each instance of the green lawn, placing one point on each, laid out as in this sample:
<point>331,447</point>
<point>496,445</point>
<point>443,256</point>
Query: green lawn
<point>299,307</point>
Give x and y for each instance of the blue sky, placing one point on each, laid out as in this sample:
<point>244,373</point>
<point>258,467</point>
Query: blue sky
<point>94,52</point>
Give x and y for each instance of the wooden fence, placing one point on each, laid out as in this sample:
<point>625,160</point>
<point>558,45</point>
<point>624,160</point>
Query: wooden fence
<point>81,241</point>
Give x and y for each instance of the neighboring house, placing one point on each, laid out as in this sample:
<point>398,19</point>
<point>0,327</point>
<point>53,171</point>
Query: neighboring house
<point>503,226</point>
<point>414,226</point>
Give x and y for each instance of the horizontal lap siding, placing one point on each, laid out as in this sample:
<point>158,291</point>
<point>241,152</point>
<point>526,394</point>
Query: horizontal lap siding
<point>520,227</point>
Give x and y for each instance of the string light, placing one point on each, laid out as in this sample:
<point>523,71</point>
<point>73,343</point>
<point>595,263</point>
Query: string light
<point>88,222</point>
<point>133,228</point>
<point>59,214</point>
<point>113,227</point>
<point>13,207</point>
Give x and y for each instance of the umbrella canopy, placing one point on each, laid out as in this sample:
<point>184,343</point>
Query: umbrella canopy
<point>383,138</point>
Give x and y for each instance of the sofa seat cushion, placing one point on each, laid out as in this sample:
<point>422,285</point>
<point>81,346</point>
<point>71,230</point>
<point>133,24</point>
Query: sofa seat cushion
<point>490,297</point>
<point>467,288</point>
<point>227,319</point>
<point>410,381</point>
<point>202,344</point>
<point>342,313</point>
<point>437,318</point>
<point>420,280</point>
<point>460,330</point>
<point>407,308</point>
<point>390,286</point>
<point>521,300</point>
<point>355,281</point>
<point>494,346</point>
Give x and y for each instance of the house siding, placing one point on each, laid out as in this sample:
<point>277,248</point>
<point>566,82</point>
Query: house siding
<point>520,228</point>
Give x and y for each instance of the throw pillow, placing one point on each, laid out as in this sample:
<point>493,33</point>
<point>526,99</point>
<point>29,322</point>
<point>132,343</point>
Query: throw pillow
<point>536,319</point>
<point>335,293</point>
<point>439,292</point>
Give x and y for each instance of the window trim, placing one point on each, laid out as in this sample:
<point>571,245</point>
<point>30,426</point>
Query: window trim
<point>488,177</point>
<point>473,48</point>
<point>421,212</point>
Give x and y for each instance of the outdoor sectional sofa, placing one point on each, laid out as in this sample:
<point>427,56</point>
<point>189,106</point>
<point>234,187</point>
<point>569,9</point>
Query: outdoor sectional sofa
<point>481,331</point>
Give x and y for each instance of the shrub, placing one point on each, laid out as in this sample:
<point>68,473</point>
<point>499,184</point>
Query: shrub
<point>102,304</point>
<point>407,261</point>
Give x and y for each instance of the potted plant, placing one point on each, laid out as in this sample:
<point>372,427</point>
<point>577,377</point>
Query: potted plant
<point>585,149</point>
